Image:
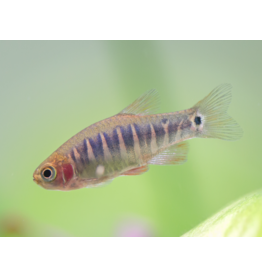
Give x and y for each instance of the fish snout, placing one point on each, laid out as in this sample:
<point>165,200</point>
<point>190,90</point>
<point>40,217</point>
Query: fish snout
<point>37,177</point>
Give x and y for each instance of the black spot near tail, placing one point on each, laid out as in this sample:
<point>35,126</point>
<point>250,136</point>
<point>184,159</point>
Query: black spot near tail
<point>198,120</point>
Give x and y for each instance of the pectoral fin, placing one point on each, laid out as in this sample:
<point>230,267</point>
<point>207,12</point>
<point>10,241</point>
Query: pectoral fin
<point>136,171</point>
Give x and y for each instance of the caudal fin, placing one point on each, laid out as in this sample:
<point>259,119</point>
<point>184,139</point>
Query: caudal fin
<point>212,111</point>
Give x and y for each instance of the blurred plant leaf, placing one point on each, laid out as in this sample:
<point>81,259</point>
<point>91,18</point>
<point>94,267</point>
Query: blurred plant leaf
<point>243,218</point>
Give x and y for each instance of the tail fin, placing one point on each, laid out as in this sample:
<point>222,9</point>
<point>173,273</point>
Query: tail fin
<point>216,122</point>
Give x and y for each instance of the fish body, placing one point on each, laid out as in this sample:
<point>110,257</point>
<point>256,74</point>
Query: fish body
<point>126,143</point>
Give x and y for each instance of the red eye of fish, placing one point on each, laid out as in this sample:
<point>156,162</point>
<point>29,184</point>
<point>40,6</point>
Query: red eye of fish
<point>49,173</point>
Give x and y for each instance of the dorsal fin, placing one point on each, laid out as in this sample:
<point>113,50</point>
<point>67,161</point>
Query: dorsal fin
<point>147,103</point>
<point>174,155</point>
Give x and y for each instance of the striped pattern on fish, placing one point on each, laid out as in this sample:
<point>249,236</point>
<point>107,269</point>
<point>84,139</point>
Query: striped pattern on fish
<point>131,141</point>
<point>127,142</point>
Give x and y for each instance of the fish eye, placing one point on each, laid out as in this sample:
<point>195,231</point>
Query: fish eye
<point>198,120</point>
<point>48,174</point>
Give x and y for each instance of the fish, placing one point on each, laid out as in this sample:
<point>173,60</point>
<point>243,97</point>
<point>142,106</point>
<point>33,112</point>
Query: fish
<point>127,143</point>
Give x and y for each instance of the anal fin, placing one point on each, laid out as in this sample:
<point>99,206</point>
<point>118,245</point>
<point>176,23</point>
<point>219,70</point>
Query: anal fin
<point>174,155</point>
<point>136,171</point>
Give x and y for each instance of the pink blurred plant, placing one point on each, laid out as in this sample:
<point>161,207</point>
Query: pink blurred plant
<point>135,227</point>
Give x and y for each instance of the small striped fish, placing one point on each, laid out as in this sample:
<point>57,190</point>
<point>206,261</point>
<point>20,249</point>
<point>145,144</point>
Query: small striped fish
<point>126,143</point>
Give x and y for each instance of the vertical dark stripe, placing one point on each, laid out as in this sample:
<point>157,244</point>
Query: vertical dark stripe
<point>78,162</point>
<point>109,143</point>
<point>128,138</point>
<point>148,135</point>
<point>186,124</point>
<point>73,155</point>
<point>141,138</point>
<point>164,121</point>
<point>79,149</point>
<point>100,146</point>
<point>116,144</point>
<point>160,132</point>
<point>94,147</point>
<point>172,130</point>
<point>84,152</point>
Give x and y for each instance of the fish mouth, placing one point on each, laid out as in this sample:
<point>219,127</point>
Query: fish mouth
<point>36,176</point>
<point>36,180</point>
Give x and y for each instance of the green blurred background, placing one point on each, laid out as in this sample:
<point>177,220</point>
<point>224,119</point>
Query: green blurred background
<point>52,90</point>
